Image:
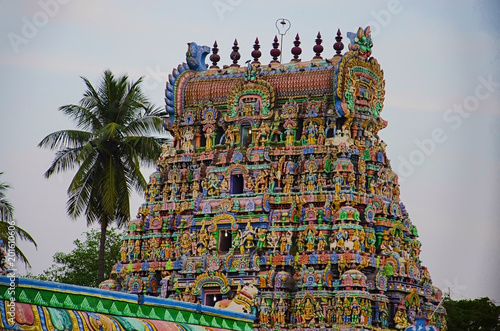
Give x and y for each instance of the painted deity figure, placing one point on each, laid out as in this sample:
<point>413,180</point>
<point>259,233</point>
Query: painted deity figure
<point>311,179</point>
<point>288,183</point>
<point>264,312</point>
<point>339,313</point>
<point>290,136</point>
<point>321,241</point>
<point>341,236</point>
<point>236,240</point>
<point>303,138</point>
<point>311,131</point>
<point>213,184</point>
<point>273,240</point>
<point>321,134</point>
<point>311,241</point>
<point>137,249</point>
<point>224,185</point>
<point>212,243</point>
<point>249,183</point>
<point>187,145</point>
<point>203,237</point>
<point>261,238</point>
<point>356,311</point>
<point>308,310</point>
<point>248,237</point>
<point>385,246</point>
<point>401,320</point>
<point>300,242</point>
<point>383,314</point>
<point>321,182</point>
<point>356,242</point>
<point>283,243</point>
<point>261,182</point>
<point>347,312</point>
<point>123,251</point>
<point>264,131</point>
<point>275,128</point>
<point>208,140</point>
<point>229,136</point>
<point>338,181</point>
<point>289,236</point>
<point>281,311</point>
<point>302,185</point>
<point>183,190</point>
<point>195,190</point>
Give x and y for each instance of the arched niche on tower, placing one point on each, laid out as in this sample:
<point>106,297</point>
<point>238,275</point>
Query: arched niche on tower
<point>236,175</point>
<point>250,99</point>
<point>246,132</point>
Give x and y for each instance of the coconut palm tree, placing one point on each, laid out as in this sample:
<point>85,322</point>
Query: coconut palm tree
<point>118,130</point>
<point>8,226</point>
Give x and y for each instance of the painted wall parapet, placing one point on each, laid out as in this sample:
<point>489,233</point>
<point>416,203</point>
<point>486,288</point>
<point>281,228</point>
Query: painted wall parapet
<point>40,305</point>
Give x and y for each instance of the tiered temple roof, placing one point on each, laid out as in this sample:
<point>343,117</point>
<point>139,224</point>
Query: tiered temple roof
<point>277,178</point>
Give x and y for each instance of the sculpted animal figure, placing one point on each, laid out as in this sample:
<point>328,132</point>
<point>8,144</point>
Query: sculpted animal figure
<point>242,302</point>
<point>195,56</point>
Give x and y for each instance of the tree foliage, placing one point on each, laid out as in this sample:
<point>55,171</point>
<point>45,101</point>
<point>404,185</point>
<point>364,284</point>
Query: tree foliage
<point>472,314</point>
<point>80,266</point>
<point>9,228</point>
<point>118,129</point>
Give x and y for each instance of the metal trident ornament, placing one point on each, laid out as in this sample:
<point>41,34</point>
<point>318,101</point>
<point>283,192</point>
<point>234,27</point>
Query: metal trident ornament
<point>282,25</point>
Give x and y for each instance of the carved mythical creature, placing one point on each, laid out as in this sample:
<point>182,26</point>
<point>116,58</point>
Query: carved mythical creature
<point>361,42</point>
<point>242,302</point>
<point>195,56</point>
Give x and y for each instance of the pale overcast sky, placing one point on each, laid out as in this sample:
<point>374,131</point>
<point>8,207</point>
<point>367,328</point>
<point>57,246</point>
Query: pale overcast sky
<point>441,61</point>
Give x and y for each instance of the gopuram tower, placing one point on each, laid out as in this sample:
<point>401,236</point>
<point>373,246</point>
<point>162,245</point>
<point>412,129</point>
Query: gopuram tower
<point>277,180</point>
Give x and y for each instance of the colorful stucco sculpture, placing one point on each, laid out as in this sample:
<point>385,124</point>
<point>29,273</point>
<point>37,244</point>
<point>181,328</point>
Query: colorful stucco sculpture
<point>277,178</point>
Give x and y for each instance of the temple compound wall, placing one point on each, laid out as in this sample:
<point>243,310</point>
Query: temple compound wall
<point>276,196</point>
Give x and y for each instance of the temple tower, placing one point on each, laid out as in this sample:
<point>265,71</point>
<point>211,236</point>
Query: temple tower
<point>277,177</point>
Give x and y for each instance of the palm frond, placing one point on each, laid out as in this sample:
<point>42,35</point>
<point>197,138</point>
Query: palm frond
<point>65,138</point>
<point>147,148</point>
<point>145,125</point>
<point>82,114</point>
<point>65,159</point>
<point>6,227</point>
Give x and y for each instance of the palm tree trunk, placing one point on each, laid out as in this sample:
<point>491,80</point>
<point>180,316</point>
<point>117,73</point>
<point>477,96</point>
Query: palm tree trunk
<point>102,247</point>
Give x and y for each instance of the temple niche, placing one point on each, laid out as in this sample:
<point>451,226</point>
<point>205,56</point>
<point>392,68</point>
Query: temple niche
<point>276,179</point>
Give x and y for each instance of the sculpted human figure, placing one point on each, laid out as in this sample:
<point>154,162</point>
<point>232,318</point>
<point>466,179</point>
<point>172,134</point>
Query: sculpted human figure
<point>401,320</point>
<point>208,140</point>
<point>290,136</point>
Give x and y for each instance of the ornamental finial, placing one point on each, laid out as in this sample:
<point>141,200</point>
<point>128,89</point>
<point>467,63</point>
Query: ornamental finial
<point>215,57</point>
<point>296,51</point>
<point>256,54</point>
<point>318,48</point>
<point>338,46</point>
<point>235,55</point>
<point>275,52</point>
